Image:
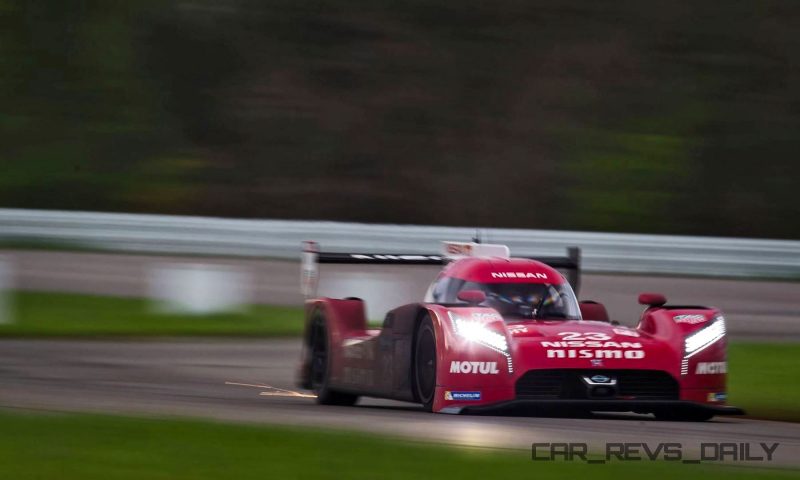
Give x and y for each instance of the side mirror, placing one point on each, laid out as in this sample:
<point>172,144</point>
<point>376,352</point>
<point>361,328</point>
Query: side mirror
<point>594,311</point>
<point>473,297</point>
<point>652,299</point>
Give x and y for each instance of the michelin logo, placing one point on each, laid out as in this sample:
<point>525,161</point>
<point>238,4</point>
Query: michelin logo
<point>463,396</point>
<point>485,368</point>
<point>708,368</point>
<point>717,397</point>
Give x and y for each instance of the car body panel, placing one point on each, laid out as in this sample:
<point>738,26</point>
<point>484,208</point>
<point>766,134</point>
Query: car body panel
<point>482,358</point>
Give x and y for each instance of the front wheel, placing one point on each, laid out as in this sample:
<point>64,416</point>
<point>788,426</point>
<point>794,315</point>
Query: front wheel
<point>425,363</point>
<point>319,366</point>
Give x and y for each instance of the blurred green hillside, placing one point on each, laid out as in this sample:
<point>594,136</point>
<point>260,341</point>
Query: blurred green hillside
<point>665,117</point>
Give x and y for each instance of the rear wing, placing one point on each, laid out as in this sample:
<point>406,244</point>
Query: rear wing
<point>570,264</point>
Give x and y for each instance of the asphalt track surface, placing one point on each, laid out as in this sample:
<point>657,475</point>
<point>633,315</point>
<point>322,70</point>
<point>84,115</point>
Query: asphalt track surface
<point>252,381</point>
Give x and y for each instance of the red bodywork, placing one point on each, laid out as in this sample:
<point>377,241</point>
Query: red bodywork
<point>472,375</point>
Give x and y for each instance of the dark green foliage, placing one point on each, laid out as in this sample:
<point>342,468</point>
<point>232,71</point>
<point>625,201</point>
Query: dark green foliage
<point>666,117</point>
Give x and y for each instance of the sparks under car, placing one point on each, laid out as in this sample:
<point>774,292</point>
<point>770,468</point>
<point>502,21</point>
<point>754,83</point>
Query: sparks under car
<point>496,333</point>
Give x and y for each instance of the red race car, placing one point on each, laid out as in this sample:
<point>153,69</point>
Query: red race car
<point>496,333</point>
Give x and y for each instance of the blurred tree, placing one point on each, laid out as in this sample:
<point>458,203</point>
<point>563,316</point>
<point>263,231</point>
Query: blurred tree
<point>669,117</point>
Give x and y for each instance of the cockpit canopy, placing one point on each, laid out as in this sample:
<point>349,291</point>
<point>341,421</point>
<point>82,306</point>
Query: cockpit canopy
<point>514,301</point>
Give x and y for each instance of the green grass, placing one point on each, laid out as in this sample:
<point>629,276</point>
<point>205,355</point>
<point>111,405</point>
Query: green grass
<point>762,379</point>
<point>59,314</point>
<point>44,244</point>
<point>87,447</point>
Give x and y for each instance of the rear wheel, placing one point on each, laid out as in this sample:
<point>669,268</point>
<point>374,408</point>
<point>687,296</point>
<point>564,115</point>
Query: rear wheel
<point>425,363</point>
<point>319,373</point>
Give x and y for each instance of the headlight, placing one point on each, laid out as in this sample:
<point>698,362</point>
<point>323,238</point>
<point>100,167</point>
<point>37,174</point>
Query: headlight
<point>477,332</point>
<point>701,339</point>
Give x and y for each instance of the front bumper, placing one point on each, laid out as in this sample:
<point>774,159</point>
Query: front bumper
<point>637,406</point>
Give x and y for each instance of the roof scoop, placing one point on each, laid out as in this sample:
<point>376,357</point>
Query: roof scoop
<point>458,250</point>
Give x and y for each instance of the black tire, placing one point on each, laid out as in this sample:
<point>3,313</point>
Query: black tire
<point>424,366</point>
<point>319,374</point>
<point>684,415</point>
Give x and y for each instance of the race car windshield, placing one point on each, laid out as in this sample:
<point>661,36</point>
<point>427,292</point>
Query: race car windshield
<point>529,300</point>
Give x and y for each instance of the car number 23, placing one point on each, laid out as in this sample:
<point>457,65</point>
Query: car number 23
<point>584,336</point>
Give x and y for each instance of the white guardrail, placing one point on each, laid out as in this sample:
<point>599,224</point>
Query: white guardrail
<point>602,252</point>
